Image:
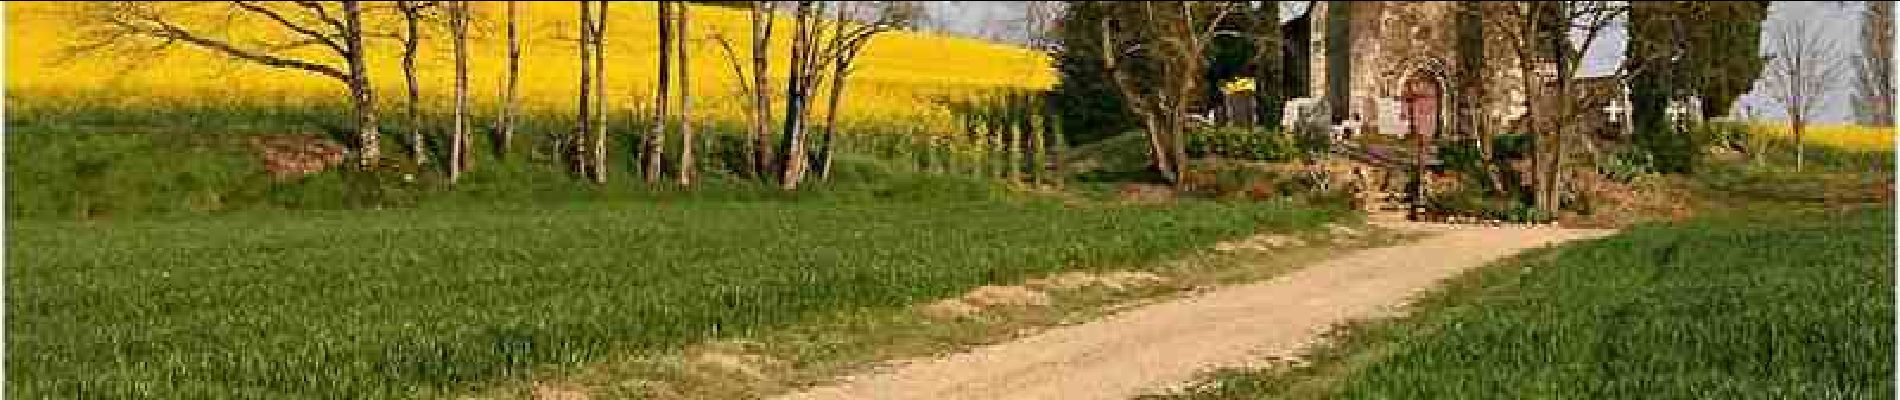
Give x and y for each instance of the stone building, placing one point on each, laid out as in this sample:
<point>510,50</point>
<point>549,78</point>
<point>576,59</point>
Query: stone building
<point>1397,70</point>
<point>1400,64</point>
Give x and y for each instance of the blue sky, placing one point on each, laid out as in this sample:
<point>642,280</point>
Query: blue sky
<point>1002,18</point>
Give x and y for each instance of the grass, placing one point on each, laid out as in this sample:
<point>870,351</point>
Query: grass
<point>851,343</point>
<point>113,174</point>
<point>1741,304</point>
<point>420,302</point>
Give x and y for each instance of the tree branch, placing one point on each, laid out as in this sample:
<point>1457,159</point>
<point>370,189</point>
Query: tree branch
<point>319,37</point>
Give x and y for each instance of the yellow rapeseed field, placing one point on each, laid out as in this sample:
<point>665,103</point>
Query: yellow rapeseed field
<point>1843,136</point>
<point>901,76</point>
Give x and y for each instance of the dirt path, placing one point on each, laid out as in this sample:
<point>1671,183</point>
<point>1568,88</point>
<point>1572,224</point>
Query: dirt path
<point>1165,344</point>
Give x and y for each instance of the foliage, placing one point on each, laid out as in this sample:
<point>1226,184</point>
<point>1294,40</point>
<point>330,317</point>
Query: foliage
<point>1230,180</point>
<point>1240,143</point>
<point>1679,152</point>
<point>1119,158</point>
<point>1270,64</point>
<point>421,303</point>
<point>1759,306</point>
<point>1477,202</point>
<point>1084,96</point>
<point>1628,164</point>
<point>1705,48</point>
<point>1466,159</point>
<point>1512,146</point>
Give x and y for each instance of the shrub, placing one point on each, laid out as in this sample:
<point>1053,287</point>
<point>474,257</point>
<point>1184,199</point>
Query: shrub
<point>1241,144</point>
<point>1474,202</point>
<point>1511,146</point>
<point>1464,158</point>
<point>1626,165</point>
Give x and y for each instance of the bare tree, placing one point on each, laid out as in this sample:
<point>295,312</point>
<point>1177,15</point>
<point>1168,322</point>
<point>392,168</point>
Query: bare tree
<point>336,27</point>
<point>583,121</point>
<point>807,17</point>
<point>413,15</point>
<point>1803,67</point>
<point>686,98</point>
<point>1549,40</point>
<point>762,17</point>
<point>597,155</point>
<point>458,138</point>
<point>1874,68</point>
<point>1175,36</point>
<point>1039,18</point>
<point>505,117</point>
<point>752,83</point>
<point>656,141</point>
<point>841,51</point>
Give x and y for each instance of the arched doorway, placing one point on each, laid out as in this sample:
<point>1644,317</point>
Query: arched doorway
<point>1423,100</point>
<point>1423,97</point>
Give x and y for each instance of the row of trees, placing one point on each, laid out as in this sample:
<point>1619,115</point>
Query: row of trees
<point>825,39</point>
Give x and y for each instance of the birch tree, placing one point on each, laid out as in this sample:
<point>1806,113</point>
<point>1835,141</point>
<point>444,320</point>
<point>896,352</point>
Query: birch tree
<point>458,139</point>
<point>656,140</point>
<point>336,28</point>
<point>504,131</point>
<point>584,107</point>
<point>597,154</point>
<point>761,19</point>
<point>801,70</point>
<point>842,48</point>
<point>687,165</point>
<point>750,76</point>
<point>413,15</point>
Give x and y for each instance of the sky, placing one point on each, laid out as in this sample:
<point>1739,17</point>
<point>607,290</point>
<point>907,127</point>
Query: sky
<point>1002,20</point>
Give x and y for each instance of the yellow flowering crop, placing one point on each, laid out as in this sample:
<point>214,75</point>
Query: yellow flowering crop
<point>1844,136</point>
<point>899,77</point>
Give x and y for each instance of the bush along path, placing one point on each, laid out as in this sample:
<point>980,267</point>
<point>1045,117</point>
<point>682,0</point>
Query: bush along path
<point>1153,347</point>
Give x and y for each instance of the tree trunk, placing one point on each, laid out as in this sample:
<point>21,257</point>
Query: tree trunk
<point>840,70</point>
<point>583,122</point>
<point>687,144</point>
<point>411,43</point>
<point>656,141</point>
<point>1038,143</point>
<point>1560,47</point>
<point>458,142</point>
<point>362,95</point>
<point>1013,154</point>
<point>793,147</point>
<point>761,98</point>
<point>504,119</point>
<point>1800,148</point>
<point>598,152</point>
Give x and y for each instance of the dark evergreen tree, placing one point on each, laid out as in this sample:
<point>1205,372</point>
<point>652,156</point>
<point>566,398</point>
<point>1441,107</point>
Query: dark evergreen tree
<point>1084,97</point>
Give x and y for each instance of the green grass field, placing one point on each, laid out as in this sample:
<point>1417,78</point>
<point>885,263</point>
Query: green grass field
<point>1765,306</point>
<point>401,303</point>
